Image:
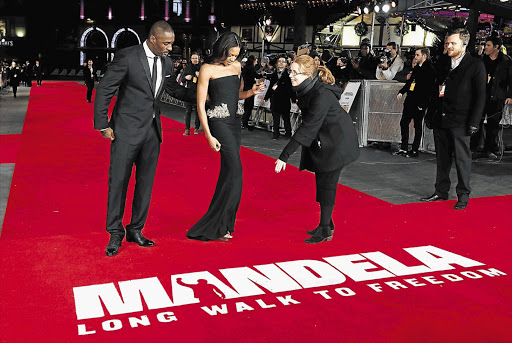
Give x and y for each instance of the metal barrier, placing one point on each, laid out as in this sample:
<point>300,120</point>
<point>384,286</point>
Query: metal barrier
<point>376,113</point>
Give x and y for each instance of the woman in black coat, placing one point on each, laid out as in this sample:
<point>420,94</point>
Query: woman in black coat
<point>326,134</point>
<point>15,76</point>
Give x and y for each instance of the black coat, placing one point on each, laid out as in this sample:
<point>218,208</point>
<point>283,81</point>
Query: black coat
<point>132,116</point>
<point>327,134</point>
<point>464,97</point>
<point>425,87</point>
<point>501,87</point>
<point>37,70</point>
<point>87,75</point>
<point>249,75</point>
<point>15,77</point>
<point>280,98</point>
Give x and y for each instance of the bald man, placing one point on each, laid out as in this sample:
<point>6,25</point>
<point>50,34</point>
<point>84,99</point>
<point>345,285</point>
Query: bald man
<point>140,73</point>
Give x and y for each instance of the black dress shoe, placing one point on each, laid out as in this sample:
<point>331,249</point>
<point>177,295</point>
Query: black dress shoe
<point>433,197</point>
<point>137,237</point>
<point>461,204</point>
<point>113,245</point>
<point>324,233</point>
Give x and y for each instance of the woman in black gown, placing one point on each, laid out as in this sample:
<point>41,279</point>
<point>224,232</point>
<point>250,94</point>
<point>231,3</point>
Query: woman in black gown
<point>220,80</point>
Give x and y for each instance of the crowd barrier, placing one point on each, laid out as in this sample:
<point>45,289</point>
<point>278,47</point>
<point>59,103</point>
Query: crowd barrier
<point>372,105</point>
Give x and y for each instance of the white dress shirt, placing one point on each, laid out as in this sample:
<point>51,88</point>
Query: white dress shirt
<point>151,59</point>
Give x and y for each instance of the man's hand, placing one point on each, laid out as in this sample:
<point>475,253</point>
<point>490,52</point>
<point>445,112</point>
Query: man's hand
<point>472,130</point>
<point>108,134</point>
<point>399,96</point>
<point>355,64</point>
<point>508,101</point>
<point>280,165</point>
<point>384,65</point>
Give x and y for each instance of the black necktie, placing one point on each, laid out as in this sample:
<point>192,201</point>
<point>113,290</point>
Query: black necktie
<point>153,74</point>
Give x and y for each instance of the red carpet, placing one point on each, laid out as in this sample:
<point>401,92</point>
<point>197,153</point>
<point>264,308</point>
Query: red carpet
<point>53,239</point>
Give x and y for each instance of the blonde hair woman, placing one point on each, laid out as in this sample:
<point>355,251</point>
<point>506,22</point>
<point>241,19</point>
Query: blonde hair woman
<point>326,134</point>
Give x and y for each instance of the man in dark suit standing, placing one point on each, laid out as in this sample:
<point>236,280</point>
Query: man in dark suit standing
<point>420,87</point>
<point>89,78</point>
<point>38,73</point>
<point>280,92</point>
<point>140,73</point>
<point>459,108</point>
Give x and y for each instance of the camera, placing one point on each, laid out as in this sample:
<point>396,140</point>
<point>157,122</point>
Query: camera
<point>384,56</point>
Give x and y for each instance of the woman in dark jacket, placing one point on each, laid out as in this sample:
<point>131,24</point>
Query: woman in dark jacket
<point>327,135</point>
<point>15,76</point>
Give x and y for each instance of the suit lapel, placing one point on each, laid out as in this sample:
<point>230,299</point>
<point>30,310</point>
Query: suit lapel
<point>162,82</point>
<point>144,60</point>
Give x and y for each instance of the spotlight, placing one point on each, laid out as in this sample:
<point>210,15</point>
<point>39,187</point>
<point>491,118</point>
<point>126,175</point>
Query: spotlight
<point>393,4</point>
<point>366,10</point>
<point>376,8</point>
<point>358,10</point>
<point>386,8</point>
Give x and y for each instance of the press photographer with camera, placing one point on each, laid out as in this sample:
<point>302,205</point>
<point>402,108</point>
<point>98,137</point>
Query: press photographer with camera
<point>365,63</point>
<point>344,71</point>
<point>389,63</point>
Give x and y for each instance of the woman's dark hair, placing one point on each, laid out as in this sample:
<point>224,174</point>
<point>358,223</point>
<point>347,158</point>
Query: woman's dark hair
<point>250,61</point>
<point>221,46</point>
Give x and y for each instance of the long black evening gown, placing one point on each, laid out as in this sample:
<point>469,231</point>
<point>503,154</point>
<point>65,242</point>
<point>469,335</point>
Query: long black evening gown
<point>225,126</point>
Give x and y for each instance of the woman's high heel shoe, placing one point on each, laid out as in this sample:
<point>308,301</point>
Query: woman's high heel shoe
<point>323,233</point>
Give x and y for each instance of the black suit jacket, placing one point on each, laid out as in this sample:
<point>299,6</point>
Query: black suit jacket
<point>280,98</point>
<point>327,133</point>
<point>132,116</point>
<point>464,97</point>
<point>425,88</point>
<point>87,75</point>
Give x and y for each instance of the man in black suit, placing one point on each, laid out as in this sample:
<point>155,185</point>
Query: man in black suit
<point>90,78</point>
<point>280,92</point>
<point>140,73</point>
<point>459,108</point>
<point>420,88</point>
<point>38,73</point>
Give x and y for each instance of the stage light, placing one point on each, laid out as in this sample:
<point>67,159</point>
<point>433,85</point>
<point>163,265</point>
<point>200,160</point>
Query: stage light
<point>366,10</point>
<point>393,4</point>
<point>386,8</point>
<point>376,8</point>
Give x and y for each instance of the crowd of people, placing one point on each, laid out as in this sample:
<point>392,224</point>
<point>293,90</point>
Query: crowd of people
<point>16,74</point>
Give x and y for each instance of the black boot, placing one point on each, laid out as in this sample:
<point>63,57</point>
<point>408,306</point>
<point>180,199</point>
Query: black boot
<point>323,233</point>
<point>312,232</point>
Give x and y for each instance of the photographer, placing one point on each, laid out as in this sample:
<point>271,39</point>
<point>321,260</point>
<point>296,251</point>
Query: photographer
<point>390,63</point>
<point>365,63</point>
<point>498,93</point>
<point>344,71</point>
